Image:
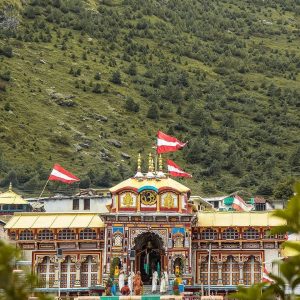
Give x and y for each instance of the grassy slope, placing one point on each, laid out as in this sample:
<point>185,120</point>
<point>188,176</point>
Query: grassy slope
<point>28,131</point>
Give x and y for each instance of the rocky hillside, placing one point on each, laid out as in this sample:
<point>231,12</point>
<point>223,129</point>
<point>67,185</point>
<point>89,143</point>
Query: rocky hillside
<point>88,83</point>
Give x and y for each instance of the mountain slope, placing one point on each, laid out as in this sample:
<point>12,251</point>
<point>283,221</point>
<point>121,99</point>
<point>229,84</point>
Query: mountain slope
<point>83,82</point>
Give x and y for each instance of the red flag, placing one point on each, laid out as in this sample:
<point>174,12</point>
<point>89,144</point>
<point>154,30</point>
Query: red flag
<point>240,205</point>
<point>266,277</point>
<point>60,174</point>
<point>167,143</point>
<point>175,170</point>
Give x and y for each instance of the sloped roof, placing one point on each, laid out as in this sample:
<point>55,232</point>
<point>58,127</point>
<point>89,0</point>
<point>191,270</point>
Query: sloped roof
<point>54,220</point>
<point>232,218</point>
<point>10,197</point>
<point>157,184</point>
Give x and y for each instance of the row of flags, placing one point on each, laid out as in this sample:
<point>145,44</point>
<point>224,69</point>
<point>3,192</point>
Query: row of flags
<point>165,143</point>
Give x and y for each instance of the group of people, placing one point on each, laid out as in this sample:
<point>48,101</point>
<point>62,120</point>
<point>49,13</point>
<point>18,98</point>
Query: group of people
<point>134,284</point>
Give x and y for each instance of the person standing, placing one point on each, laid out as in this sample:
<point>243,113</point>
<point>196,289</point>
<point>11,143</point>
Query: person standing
<point>164,282</point>
<point>154,281</point>
<point>125,291</point>
<point>130,281</point>
<point>137,284</point>
<point>121,280</point>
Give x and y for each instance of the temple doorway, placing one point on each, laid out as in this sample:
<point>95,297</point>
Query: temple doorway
<point>149,255</point>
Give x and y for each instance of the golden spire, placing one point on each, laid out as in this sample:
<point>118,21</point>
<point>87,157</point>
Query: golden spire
<point>160,163</point>
<point>10,187</point>
<point>139,169</point>
<point>150,163</point>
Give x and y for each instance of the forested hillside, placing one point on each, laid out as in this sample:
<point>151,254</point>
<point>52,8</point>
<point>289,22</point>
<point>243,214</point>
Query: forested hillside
<point>87,84</point>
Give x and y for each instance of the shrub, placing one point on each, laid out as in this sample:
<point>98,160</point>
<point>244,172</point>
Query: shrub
<point>130,105</point>
<point>7,51</point>
<point>116,78</point>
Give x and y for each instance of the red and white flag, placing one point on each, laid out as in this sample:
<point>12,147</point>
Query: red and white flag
<point>240,205</point>
<point>175,170</point>
<point>266,277</point>
<point>167,143</point>
<point>60,174</point>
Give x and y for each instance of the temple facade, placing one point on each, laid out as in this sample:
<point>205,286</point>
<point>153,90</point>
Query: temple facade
<point>149,225</point>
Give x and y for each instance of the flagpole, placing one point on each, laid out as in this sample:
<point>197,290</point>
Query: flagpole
<point>43,190</point>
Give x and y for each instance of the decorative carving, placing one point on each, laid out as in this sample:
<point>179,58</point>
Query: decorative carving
<point>128,200</point>
<point>169,201</point>
<point>162,233</point>
<point>178,240</point>
<point>148,197</point>
<point>118,240</point>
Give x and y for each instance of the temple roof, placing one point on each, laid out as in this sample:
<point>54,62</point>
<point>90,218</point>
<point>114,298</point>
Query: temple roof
<point>219,218</point>
<point>54,220</point>
<point>10,197</point>
<point>158,185</point>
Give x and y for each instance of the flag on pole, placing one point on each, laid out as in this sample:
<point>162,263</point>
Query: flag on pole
<point>240,205</point>
<point>60,174</point>
<point>175,170</point>
<point>167,143</point>
<point>265,276</point>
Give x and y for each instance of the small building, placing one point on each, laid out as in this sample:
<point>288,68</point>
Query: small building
<point>10,202</point>
<point>94,200</point>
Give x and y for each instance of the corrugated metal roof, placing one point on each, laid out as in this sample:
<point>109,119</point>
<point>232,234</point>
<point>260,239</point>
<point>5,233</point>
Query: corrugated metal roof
<point>264,218</point>
<point>54,220</point>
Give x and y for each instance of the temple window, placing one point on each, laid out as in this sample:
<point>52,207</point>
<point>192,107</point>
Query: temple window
<point>76,204</point>
<point>281,236</point>
<point>68,273</point>
<point>45,234</point>
<point>66,234</point>
<point>178,240</point>
<point>204,272</point>
<point>46,272</point>
<point>251,234</point>
<point>86,204</point>
<point>117,240</point>
<point>230,234</point>
<point>26,235</point>
<point>209,234</point>
<point>12,235</point>
<point>230,272</point>
<point>87,234</point>
<point>267,234</point>
<point>89,272</point>
<point>252,271</point>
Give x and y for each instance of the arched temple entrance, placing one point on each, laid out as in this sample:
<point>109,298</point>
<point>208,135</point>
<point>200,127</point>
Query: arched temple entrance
<point>149,249</point>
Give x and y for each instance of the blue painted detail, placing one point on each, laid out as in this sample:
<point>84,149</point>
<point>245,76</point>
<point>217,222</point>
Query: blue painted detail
<point>178,230</point>
<point>120,229</point>
<point>148,187</point>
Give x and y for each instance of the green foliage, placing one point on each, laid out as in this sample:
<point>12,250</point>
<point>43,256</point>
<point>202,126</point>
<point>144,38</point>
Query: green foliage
<point>153,112</point>
<point>116,78</point>
<point>220,73</point>
<point>131,105</point>
<point>289,269</point>
<point>15,284</point>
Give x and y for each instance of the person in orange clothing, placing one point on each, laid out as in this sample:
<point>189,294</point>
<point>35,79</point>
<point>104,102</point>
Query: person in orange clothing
<point>125,291</point>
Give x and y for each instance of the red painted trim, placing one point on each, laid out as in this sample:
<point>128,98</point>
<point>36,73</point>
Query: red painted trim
<point>126,188</point>
<point>167,188</point>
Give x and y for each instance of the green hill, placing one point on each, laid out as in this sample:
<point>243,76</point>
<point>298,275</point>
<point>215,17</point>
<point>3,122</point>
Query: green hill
<point>88,83</point>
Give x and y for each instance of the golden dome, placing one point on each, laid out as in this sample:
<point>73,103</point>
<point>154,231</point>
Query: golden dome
<point>140,184</point>
<point>10,197</point>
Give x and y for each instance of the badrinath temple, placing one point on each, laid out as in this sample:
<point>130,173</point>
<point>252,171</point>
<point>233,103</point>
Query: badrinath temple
<point>150,224</point>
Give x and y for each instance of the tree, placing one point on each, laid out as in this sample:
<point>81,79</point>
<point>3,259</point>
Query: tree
<point>116,78</point>
<point>132,70</point>
<point>15,285</point>
<point>130,105</point>
<point>85,183</point>
<point>153,112</point>
<point>106,179</point>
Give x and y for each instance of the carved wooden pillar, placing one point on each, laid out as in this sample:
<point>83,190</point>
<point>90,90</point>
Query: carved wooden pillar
<point>56,273</point>
<point>77,275</point>
<point>220,272</point>
<point>241,265</point>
